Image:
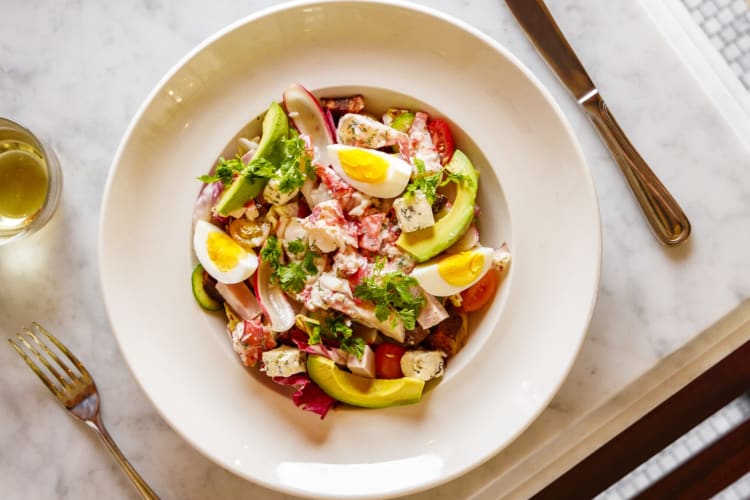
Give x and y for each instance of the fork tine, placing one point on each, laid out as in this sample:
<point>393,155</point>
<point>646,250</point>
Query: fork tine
<point>82,369</point>
<point>52,354</point>
<point>41,358</point>
<point>50,385</point>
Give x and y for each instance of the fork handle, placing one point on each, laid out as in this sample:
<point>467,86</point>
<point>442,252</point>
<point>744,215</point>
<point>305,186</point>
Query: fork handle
<point>667,220</point>
<point>138,482</point>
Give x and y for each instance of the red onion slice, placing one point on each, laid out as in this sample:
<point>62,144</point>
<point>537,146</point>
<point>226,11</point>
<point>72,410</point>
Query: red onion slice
<point>240,299</point>
<point>272,300</point>
<point>309,118</point>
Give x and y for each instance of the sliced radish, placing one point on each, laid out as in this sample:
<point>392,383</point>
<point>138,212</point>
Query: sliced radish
<point>272,300</point>
<point>309,118</point>
<point>240,299</point>
<point>469,240</point>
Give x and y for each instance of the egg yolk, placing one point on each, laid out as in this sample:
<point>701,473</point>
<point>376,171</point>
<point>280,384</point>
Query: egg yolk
<point>461,269</point>
<point>363,166</point>
<point>223,251</point>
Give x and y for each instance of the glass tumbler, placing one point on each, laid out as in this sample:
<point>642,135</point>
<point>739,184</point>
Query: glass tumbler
<point>30,182</point>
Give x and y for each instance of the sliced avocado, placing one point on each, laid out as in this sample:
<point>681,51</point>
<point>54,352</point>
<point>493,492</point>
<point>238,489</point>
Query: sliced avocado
<point>245,188</point>
<point>403,121</point>
<point>427,243</point>
<point>361,391</point>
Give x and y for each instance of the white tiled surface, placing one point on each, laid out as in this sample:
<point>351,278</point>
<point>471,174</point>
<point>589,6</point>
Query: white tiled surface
<point>681,450</point>
<point>727,25</point>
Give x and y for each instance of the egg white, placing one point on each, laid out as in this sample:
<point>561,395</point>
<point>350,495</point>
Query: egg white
<point>397,175</point>
<point>432,282</point>
<point>244,268</point>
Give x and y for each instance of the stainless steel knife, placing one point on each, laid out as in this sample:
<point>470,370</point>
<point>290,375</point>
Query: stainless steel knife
<point>667,220</point>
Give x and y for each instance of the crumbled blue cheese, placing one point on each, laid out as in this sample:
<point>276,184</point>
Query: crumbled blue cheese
<point>424,365</point>
<point>284,361</point>
<point>413,212</point>
<point>272,193</point>
<point>364,366</point>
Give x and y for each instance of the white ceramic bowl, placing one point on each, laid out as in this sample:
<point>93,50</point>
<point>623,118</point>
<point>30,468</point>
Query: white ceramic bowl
<point>535,192</point>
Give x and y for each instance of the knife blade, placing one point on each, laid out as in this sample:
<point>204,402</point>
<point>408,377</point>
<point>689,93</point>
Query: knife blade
<point>664,215</point>
<point>542,30</point>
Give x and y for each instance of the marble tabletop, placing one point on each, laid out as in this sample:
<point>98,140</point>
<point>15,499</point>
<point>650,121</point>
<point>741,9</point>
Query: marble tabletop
<point>76,72</point>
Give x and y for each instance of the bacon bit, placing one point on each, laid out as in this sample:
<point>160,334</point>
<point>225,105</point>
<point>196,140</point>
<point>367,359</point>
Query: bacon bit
<point>256,339</point>
<point>390,233</point>
<point>355,279</point>
<point>372,234</point>
<point>353,228</point>
<point>342,105</point>
<point>338,186</point>
<point>404,148</point>
<point>421,146</point>
<point>329,211</point>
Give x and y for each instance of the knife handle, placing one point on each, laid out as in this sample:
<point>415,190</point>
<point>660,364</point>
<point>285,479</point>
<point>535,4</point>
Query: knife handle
<point>667,220</point>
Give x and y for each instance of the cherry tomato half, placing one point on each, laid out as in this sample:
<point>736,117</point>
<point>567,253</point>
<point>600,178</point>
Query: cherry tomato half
<point>442,138</point>
<point>478,294</point>
<point>388,360</point>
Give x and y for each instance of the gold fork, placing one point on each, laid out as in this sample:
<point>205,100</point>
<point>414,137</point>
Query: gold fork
<point>77,393</point>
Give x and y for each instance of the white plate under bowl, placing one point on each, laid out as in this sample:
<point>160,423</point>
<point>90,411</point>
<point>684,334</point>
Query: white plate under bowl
<point>535,192</point>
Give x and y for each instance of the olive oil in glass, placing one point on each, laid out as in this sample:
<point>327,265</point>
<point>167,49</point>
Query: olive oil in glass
<point>30,182</point>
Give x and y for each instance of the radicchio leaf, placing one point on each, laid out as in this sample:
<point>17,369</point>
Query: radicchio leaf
<point>308,396</point>
<point>300,339</point>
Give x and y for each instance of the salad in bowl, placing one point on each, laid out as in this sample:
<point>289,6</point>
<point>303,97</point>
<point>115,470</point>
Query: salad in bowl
<point>344,250</point>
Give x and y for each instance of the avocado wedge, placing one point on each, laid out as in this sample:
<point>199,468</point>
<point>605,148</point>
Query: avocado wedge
<point>245,188</point>
<point>361,391</point>
<point>427,243</point>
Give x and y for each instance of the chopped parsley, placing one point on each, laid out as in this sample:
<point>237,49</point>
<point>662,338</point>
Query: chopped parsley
<point>259,167</point>
<point>391,292</point>
<point>271,252</point>
<point>428,184</point>
<point>290,277</point>
<point>336,328</point>
<point>296,246</point>
<point>224,172</point>
<point>296,166</point>
<point>227,169</point>
<point>455,177</point>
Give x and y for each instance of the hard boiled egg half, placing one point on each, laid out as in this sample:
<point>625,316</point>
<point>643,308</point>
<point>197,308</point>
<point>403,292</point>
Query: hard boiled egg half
<point>453,274</point>
<point>373,172</point>
<point>222,257</point>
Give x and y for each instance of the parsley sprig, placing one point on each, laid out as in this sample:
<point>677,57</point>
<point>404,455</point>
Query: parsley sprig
<point>227,169</point>
<point>428,184</point>
<point>295,168</point>
<point>290,277</point>
<point>296,246</point>
<point>391,292</point>
<point>336,328</point>
<point>224,172</point>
